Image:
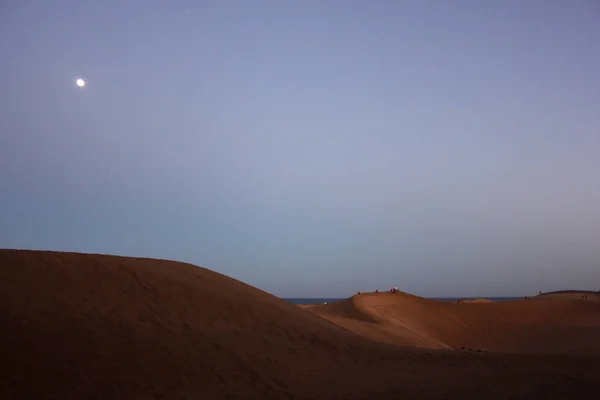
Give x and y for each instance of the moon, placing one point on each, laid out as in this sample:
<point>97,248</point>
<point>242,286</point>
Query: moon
<point>80,82</point>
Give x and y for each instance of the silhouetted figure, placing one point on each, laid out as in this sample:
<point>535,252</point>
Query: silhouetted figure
<point>376,291</point>
<point>394,289</point>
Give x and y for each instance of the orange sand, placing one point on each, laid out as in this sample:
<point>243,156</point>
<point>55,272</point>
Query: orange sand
<point>78,326</point>
<point>545,324</point>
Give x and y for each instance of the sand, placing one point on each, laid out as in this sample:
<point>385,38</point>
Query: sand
<point>478,301</point>
<point>560,324</point>
<point>80,326</point>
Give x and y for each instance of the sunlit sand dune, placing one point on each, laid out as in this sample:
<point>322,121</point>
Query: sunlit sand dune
<point>80,326</point>
<point>555,323</point>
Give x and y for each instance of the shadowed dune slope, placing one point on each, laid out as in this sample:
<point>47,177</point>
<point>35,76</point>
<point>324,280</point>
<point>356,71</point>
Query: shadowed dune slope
<point>81,326</point>
<point>65,313</point>
<point>545,324</point>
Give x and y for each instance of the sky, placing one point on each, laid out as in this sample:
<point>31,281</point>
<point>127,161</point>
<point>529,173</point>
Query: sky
<point>310,148</point>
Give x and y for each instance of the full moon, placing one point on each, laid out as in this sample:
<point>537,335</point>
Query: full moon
<point>80,82</point>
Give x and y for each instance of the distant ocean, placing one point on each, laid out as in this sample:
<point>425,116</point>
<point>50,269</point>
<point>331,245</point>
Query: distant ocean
<point>318,300</point>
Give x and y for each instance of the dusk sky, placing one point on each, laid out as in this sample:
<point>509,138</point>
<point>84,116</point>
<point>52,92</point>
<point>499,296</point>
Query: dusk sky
<point>310,148</point>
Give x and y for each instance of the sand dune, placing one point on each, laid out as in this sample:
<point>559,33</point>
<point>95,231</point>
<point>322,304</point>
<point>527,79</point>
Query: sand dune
<point>478,301</point>
<point>80,326</point>
<point>561,323</point>
<point>572,294</point>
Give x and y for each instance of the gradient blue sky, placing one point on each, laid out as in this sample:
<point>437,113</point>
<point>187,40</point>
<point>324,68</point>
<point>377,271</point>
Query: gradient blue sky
<point>310,148</point>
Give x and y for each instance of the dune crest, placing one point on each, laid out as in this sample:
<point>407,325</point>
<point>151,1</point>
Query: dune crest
<point>545,324</point>
<point>475,301</point>
<point>85,326</point>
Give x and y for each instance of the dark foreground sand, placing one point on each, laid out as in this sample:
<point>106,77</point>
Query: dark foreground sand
<point>77,326</point>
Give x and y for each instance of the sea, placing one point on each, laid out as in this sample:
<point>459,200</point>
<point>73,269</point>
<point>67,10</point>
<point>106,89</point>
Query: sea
<point>320,300</point>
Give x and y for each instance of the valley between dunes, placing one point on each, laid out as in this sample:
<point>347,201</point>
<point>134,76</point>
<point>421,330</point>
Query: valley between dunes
<point>86,326</point>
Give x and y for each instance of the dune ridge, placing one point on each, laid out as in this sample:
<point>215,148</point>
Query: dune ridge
<point>88,326</point>
<point>550,324</point>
